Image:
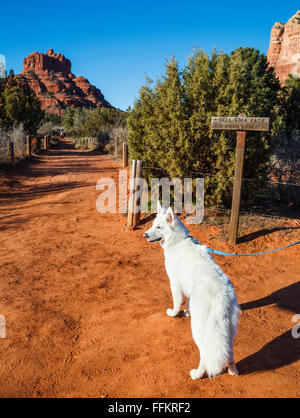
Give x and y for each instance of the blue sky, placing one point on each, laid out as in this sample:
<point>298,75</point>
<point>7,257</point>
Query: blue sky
<point>115,44</point>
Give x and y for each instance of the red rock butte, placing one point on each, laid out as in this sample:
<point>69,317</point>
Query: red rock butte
<point>49,76</point>
<point>284,50</point>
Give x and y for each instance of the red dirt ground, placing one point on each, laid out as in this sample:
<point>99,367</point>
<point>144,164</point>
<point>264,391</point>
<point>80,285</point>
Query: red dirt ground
<point>85,299</point>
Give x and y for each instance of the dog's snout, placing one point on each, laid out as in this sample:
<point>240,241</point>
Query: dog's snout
<point>145,235</point>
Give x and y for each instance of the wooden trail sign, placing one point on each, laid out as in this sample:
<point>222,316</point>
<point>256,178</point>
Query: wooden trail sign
<point>241,124</point>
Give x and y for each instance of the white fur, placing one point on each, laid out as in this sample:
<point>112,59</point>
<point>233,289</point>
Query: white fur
<point>210,296</point>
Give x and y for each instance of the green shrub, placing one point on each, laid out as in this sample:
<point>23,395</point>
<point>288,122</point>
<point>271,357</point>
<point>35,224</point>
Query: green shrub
<point>170,123</point>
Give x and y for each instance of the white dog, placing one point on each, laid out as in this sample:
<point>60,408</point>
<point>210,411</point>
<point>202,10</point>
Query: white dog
<point>210,297</point>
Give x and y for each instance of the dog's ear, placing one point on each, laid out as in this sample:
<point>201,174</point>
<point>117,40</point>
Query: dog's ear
<point>170,216</point>
<point>158,206</point>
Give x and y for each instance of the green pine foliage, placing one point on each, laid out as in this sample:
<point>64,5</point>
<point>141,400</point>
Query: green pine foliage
<point>292,102</point>
<point>68,119</point>
<point>170,123</point>
<point>19,105</point>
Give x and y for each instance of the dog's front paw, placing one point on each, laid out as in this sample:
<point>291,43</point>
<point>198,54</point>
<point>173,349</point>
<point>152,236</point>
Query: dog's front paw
<point>171,312</point>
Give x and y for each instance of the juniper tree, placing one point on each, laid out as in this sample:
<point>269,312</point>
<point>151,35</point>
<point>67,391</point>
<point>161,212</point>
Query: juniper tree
<point>251,89</point>
<point>169,125</point>
<point>292,103</point>
<point>19,105</point>
<point>141,124</point>
<point>199,101</point>
<point>68,119</point>
<point>170,131</point>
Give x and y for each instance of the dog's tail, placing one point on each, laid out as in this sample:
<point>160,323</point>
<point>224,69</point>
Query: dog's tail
<point>220,340</point>
<point>215,343</point>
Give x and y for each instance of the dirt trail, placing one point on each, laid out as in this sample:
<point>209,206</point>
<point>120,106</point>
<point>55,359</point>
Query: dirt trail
<point>85,299</point>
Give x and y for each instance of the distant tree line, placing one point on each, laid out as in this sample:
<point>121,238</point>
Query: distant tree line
<point>170,123</point>
<point>90,122</point>
<point>106,125</point>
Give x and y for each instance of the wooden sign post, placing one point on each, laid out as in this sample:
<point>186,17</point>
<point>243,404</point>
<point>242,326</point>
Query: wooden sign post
<point>241,124</point>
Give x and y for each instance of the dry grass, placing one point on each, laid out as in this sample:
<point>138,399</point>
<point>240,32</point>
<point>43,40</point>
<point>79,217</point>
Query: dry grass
<point>18,137</point>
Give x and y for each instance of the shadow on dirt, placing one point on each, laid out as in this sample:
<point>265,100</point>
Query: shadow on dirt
<point>62,159</point>
<point>29,193</point>
<point>147,219</point>
<point>283,350</point>
<point>263,232</point>
<point>286,298</point>
<point>280,352</point>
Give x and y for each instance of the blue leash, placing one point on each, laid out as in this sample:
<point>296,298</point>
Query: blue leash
<point>210,250</point>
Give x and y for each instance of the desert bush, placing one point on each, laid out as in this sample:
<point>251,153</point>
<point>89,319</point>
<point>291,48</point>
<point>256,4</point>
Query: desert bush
<point>50,128</point>
<point>117,136</point>
<point>4,146</point>
<point>284,167</point>
<point>18,137</point>
<point>83,122</point>
<point>86,143</point>
<point>170,123</point>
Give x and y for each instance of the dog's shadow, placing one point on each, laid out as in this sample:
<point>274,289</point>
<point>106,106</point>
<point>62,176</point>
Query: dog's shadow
<point>281,351</point>
<point>284,349</point>
<point>286,298</point>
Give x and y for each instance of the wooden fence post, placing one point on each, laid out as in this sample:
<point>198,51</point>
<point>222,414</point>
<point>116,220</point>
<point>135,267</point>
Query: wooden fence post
<point>38,144</point>
<point>133,218</point>
<point>125,155</point>
<point>237,187</point>
<point>116,147</point>
<point>28,141</point>
<point>12,153</point>
<point>131,193</point>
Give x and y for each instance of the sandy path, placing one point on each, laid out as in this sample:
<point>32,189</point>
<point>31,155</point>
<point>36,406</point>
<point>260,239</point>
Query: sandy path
<point>85,299</point>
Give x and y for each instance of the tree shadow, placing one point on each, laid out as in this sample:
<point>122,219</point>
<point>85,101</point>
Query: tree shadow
<point>287,298</point>
<point>280,352</point>
<point>263,232</point>
<point>63,159</point>
<point>32,192</point>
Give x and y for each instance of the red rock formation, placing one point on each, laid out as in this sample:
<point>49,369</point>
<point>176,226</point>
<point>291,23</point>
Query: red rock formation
<point>49,75</point>
<point>284,50</point>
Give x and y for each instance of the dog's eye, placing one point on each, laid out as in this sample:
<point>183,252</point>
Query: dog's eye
<point>158,227</point>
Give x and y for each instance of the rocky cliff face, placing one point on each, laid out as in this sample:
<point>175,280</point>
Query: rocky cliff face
<point>49,75</point>
<point>284,50</point>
